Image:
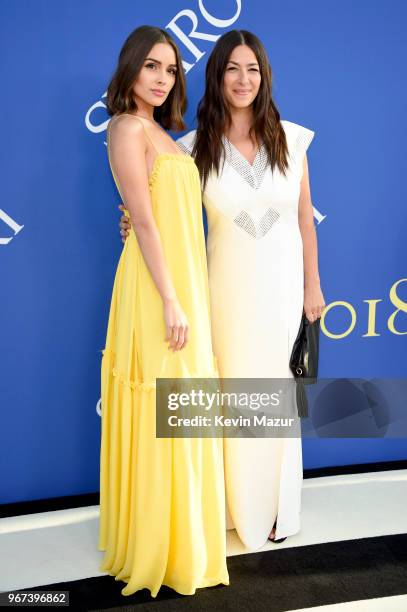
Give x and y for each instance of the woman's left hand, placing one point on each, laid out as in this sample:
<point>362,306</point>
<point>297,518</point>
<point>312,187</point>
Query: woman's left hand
<point>124,224</point>
<point>314,302</point>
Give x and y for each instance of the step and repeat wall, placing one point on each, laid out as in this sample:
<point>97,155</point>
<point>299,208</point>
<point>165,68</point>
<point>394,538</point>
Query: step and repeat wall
<point>337,69</point>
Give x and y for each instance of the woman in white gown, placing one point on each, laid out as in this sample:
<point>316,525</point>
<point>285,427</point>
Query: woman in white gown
<point>262,264</point>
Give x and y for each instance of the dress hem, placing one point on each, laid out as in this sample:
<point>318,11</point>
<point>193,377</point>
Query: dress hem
<point>208,582</point>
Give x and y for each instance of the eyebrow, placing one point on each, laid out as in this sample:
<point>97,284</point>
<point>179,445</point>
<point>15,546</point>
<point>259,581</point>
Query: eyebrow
<point>158,62</point>
<point>237,63</point>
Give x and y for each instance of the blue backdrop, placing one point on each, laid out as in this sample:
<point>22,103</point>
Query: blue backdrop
<point>338,70</point>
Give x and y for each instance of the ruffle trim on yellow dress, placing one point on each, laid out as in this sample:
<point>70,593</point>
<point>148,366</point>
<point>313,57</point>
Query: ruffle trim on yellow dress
<point>161,157</point>
<point>151,386</point>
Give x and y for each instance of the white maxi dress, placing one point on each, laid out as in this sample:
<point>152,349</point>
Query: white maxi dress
<point>256,281</point>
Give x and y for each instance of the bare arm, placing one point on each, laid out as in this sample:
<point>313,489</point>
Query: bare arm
<point>127,149</point>
<point>313,298</point>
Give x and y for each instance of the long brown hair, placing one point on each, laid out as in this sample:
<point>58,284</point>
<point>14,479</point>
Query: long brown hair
<point>134,51</point>
<point>213,114</point>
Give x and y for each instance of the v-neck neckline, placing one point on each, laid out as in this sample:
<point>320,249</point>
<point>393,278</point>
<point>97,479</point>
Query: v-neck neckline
<point>254,173</point>
<point>251,166</point>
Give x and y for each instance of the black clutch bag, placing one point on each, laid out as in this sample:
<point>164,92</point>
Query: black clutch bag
<point>304,360</point>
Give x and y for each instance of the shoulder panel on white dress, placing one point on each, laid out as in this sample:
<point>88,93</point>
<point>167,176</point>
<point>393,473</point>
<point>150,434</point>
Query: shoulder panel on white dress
<point>298,138</point>
<point>187,141</point>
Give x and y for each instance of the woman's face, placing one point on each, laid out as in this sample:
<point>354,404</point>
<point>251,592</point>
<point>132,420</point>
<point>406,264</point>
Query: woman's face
<point>242,77</point>
<point>157,75</point>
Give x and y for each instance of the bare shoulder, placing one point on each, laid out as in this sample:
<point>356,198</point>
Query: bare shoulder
<point>123,126</point>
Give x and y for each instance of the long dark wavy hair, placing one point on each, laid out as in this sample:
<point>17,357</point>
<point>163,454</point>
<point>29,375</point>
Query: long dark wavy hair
<point>134,51</point>
<point>214,116</point>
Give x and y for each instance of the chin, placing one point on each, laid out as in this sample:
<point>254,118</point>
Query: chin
<point>156,103</point>
<point>242,103</point>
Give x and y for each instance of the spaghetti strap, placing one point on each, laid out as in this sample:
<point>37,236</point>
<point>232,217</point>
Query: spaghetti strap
<point>108,151</point>
<point>145,131</point>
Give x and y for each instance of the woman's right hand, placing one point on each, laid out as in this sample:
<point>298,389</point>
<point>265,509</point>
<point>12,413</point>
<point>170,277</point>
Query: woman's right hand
<point>124,223</point>
<point>176,325</point>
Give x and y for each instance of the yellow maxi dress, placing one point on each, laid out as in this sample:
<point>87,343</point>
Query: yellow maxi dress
<point>162,506</point>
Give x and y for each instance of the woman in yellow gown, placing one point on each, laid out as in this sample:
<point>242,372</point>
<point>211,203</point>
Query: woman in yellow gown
<point>162,507</point>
